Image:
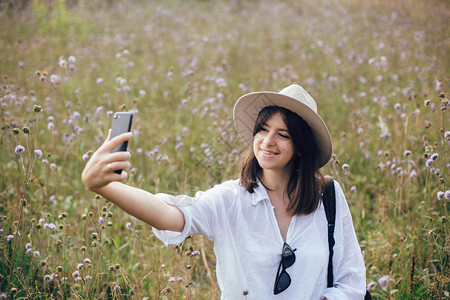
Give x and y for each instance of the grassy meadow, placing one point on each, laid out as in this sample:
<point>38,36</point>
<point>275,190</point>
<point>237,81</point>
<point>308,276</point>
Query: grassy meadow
<point>378,70</point>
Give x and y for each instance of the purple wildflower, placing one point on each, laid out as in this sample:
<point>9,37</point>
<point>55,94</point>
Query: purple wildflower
<point>434,156</point>
<point>38,153</point>
<point>88,277</point>
<point>128,225</point>
<point>116,288</point>
<point>10,237</point>
<point>179,146</point>
<point>447,194</point>
<point>87,261</point>
<point>62,63</point>
<point>172,279</point>
<point>47,278</point>
<point>407,153</point>
<point>383,281</point>
<point>80,266</point>
<point>28,246</point>
<point>36,254</point>
<point>345,166</point>
<point>19,149</point>
<point>54,79</point>
<point>371,285</point>
<point>101,220</point>
<point>50,226</point>
<point>428,162</point>
<point>76,274</point>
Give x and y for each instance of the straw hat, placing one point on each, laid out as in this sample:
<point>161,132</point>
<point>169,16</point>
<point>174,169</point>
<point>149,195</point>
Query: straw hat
<point>294,98</point>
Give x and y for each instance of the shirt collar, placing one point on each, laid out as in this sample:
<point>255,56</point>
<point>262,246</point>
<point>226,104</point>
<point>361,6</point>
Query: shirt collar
<point>260,193</point>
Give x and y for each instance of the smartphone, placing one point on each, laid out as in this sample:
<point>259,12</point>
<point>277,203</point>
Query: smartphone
<point>121,123</point>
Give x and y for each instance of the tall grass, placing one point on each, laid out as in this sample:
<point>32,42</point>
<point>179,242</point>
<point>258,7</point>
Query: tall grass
<point>378,70</point>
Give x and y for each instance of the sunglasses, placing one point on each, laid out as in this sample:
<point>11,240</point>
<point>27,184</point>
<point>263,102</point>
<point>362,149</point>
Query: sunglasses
<point>283,280</point>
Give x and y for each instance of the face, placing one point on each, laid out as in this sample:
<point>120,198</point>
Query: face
<point>272,145</point>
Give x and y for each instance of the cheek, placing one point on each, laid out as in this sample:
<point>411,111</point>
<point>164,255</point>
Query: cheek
<point>257,139</point>
<point>288,148</point>
<point>256,143</point>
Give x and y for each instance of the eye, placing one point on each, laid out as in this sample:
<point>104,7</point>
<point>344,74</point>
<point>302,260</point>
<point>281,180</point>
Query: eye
<point>284,136</point>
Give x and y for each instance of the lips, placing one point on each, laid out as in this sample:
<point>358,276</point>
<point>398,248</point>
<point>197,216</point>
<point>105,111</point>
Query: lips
<point>266,152</point>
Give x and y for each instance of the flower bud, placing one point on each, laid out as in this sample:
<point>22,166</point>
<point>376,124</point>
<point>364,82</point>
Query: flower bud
<point>37,108</point>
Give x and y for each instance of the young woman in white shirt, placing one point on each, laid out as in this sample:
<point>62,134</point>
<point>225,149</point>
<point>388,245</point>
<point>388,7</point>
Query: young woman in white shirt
<point>269,228</point>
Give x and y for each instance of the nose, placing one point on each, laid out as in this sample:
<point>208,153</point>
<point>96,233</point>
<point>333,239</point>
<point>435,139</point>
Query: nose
<point>269,139</point>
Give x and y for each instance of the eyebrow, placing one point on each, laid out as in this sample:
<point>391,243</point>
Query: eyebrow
<point>280,129</point>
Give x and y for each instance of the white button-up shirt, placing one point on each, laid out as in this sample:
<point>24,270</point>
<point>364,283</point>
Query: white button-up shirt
<point>248,244</point>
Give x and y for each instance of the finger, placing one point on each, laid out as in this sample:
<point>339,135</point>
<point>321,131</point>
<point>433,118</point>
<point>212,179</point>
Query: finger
<point>118,156</point>
<point>124,176</point>
<point>118,165</point>
<point>118,177</point>
<point>116,141</point>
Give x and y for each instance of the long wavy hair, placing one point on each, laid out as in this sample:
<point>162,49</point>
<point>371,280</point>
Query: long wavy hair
<point>306,182</point>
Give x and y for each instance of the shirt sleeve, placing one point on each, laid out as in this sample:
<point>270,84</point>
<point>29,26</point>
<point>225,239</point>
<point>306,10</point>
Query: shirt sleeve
<point>348,264</point>
<point>204,214</point>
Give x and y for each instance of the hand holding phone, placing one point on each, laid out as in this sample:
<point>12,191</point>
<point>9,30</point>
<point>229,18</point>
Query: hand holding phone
<point>121,123</point>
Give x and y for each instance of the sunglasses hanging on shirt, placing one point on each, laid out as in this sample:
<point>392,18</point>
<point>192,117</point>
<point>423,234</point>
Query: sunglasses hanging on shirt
<point>283,280</point>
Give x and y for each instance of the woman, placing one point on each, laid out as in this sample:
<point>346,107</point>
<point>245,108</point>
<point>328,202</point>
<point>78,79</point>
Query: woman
<point>268,227</point>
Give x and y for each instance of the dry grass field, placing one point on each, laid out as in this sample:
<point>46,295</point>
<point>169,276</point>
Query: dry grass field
<point>379,71</point>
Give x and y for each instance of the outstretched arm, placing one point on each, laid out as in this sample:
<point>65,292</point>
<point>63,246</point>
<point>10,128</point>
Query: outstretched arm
<point>98,176</point>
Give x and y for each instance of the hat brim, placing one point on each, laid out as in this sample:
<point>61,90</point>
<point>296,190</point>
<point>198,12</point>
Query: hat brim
<point>248,106</point>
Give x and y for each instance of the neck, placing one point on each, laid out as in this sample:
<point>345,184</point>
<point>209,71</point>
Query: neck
<point>275,181</point>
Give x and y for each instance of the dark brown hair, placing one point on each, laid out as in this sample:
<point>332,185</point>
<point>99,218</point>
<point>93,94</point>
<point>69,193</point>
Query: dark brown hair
<point>306,181</point>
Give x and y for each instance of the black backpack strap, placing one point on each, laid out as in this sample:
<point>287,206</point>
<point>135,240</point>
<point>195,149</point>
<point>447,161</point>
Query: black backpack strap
<point>329,203</point>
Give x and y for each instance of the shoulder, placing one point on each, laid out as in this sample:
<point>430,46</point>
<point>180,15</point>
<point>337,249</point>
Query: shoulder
<point>338,192</point>
<point>226,189</point>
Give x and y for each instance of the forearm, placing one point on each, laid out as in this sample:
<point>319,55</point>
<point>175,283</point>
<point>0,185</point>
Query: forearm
<point>144,206</point>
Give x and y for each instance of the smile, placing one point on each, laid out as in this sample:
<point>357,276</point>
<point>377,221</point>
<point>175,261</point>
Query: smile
<point>268,152</point>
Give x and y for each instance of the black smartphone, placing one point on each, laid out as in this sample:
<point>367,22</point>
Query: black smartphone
<point>121,123</point>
